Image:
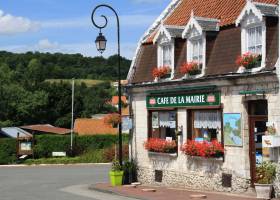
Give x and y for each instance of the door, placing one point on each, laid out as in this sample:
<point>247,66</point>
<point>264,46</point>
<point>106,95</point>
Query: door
<point>257,128</point>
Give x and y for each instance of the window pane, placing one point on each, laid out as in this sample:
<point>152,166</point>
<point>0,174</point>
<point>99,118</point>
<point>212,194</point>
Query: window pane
<point>254,40</point>
<point>166,55</point>
<point>164,124</point>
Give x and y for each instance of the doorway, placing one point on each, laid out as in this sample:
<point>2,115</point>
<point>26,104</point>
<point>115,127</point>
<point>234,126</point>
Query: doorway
<point>257,128</point>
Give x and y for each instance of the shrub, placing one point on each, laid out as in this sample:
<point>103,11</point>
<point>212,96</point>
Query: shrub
<point>7,151</point>
<point>46,144</point>
<point>265,173</point>
<point>109,154</point>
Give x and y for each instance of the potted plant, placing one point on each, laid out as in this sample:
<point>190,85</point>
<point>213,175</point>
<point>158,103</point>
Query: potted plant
<point>116,174</point>
<point>161,72</point>
<point>113,119</point>
<point>190,68</point>
<point>159,145</point>
<point>265,174</point>
<point>130,172</point>
<point>248,61</point>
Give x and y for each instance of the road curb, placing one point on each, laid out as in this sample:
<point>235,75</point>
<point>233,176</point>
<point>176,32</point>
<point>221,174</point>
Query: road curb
<point>92,187</point>
<point>45,165</point>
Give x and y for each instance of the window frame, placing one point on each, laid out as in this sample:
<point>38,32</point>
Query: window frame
<point>149,123</point>
<point>252,21</point>
<point>190,122</point>
<point>190,52</point>
<point>163,42</point>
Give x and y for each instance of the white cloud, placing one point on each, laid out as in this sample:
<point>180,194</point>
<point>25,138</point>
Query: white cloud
<point>10,25</point>
<point>45,44</point>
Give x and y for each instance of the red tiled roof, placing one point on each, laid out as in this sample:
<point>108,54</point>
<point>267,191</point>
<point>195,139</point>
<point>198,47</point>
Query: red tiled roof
<point>226,11</point>
<point>47,128</point>
<point>115,100</point>
<point>93,127</point>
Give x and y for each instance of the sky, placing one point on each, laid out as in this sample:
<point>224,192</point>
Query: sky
<point>65,25</point>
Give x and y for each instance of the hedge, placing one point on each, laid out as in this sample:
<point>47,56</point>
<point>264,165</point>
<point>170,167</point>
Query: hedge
<point>46,144</point>
<point>7,151</point>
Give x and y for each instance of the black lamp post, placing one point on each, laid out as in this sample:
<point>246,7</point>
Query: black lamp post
<point>101,46</point>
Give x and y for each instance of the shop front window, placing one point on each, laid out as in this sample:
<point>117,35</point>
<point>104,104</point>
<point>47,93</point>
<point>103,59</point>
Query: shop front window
<point>162,132</point>
<point>205,125</point>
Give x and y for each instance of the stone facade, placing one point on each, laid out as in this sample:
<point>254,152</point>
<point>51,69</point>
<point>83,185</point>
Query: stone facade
<point>202,173</point>
<point>277,181</point>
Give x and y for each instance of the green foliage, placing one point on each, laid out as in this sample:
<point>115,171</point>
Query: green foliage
<point>116,166</point>
<point>26,98</point>
<point>7,151</point>
<point>93,156</point>
<point>265,173</point>
<point>46,144</point>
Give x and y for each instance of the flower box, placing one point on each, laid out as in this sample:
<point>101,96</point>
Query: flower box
<point>190,68</point>
<point>161,72</point>
<point>249,61</point>
<point>270,141</point>
<point>205,149</point>
<point>151,153</point>
<point>159,145</point>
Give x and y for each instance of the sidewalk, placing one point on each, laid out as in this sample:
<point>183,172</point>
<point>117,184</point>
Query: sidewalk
<point>163,193</point>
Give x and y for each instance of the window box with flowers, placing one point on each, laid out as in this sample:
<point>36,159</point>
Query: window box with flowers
<point>248,61</point>
<point>190,68</point>
<point>204,149</point>
<point>160,73</point>
<point>113,119</point>
<point>158,146</point>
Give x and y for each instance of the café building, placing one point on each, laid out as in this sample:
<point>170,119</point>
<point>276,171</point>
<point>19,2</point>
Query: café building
<point>204,92</point>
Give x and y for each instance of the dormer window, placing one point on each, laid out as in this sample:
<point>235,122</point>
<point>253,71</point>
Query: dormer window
<point>253,32</point>
<point>254,40</point>
<point>196,51</point>
<point>195,33</point>
<point>165,45</point>
<point>166,53</point>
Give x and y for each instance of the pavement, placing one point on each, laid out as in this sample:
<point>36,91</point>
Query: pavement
<point>82,182</point>
<point>163,193</point>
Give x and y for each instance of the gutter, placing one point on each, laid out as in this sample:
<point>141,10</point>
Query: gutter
<point>202,79</point>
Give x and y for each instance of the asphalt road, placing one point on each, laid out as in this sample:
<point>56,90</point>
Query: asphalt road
<point>52,182</point>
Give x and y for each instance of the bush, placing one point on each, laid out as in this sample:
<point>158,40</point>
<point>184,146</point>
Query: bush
<point>46,144</point>
<point>109,154</point>
<point>7,151</point>
<point>265,173</point>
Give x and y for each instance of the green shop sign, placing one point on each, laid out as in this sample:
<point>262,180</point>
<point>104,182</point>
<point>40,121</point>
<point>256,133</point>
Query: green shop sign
<point>184,100</point>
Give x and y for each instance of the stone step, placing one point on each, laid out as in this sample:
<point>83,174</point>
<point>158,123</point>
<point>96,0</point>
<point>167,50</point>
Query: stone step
<point>148,190</point>
<point>198,196</point>
<point>136,183</point>
<point>130,186</point>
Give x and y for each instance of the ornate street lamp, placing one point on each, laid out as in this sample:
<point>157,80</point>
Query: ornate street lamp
<point>100,43</point>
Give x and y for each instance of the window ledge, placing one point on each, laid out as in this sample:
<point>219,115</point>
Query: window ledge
<point>173,155</point>
<point>244,70</point>
<point>203,158</point>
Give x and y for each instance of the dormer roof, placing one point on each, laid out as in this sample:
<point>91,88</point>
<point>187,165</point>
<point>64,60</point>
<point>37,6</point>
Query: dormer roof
<point>201,24</point>
<point>260,10</point>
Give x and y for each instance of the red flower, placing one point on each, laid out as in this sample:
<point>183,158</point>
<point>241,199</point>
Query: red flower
<point>203,149</point>
<point>188,67</point>
<point>159,72</point>
<point>247,59</point>
<point>160,145</point>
